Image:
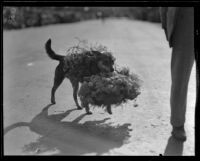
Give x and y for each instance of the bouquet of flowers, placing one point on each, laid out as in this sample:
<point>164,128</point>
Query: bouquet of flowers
<point>110,89</point>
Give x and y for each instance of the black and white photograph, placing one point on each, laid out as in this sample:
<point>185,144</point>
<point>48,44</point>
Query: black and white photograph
<point>98,80</point>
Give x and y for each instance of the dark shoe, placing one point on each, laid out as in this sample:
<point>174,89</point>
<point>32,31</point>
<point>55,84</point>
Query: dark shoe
<point>179,133</point>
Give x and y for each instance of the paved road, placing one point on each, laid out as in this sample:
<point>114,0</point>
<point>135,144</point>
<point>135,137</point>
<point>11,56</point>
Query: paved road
<point>33,127</point>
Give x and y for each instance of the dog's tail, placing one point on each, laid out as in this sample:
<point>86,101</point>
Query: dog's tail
<point>51,53</point>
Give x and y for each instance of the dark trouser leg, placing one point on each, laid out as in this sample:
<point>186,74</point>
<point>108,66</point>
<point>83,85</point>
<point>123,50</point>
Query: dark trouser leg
<point>180,77</point>
<point>181,65</point>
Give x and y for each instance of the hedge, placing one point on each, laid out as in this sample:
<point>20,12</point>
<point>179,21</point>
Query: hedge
<point>22,17</point>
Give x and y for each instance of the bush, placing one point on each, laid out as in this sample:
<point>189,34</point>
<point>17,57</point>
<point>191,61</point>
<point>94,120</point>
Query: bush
<point>109,88</point>
<point>146,13</point>
<point>21,17</point>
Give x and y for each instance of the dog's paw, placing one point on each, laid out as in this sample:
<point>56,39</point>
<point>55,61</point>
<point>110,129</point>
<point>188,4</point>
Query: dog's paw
<point>89,113</point>
<point>79,108</point>
<point>110,112</point>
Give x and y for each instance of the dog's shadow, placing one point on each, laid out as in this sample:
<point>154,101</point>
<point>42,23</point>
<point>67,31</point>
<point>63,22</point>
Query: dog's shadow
<point>72,138</point>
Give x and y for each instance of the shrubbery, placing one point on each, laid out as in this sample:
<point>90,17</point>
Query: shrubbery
<point>110,88</point>
<point>21,17</point>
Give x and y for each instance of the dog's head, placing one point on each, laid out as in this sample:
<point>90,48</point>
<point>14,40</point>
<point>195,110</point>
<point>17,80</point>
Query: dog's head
<point>105,61</point>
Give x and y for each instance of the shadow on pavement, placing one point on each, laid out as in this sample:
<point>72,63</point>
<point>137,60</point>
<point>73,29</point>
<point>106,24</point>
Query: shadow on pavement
<point>71,138</point>
<point>174,147</point>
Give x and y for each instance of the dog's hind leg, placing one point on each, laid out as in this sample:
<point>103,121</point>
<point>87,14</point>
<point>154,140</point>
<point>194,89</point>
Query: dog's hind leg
<point>58,79</point>
<point>88,110</point>
<point>75,85</point>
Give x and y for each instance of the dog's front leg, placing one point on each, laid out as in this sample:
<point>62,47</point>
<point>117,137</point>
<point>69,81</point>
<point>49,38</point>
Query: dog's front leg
<point>87,109</point>
<point>109,109</point>
<point>75,85</point>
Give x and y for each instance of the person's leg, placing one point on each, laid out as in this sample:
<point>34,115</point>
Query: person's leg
<point>181,64</point>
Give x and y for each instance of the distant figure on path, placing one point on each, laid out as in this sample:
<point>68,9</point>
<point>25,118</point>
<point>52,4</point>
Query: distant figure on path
<point>178,24</point>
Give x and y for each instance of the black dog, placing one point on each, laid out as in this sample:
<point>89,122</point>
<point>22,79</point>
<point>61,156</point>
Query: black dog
<point>94,62</point>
